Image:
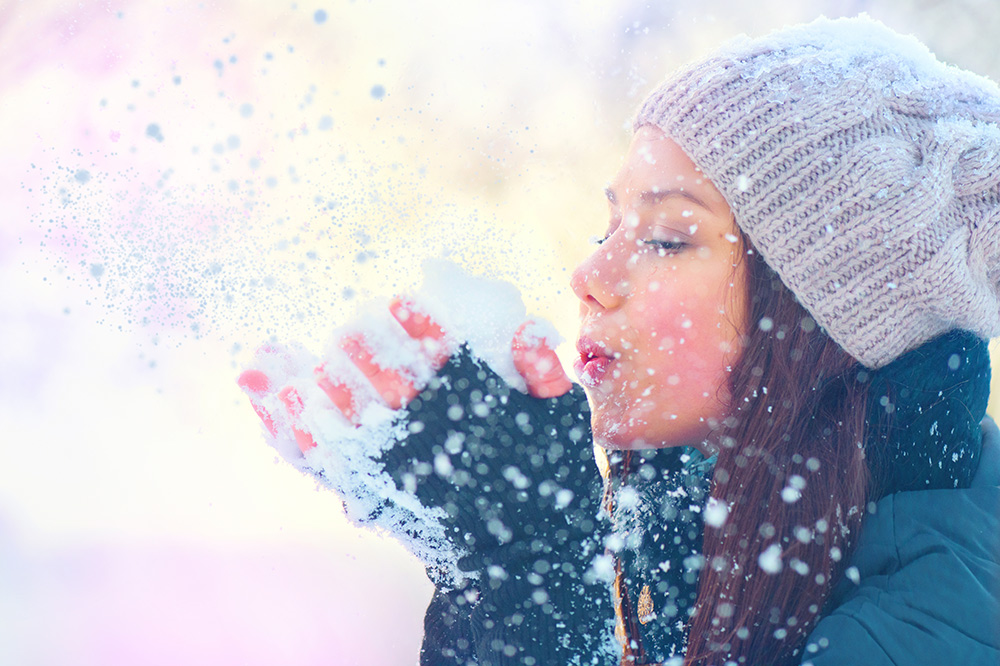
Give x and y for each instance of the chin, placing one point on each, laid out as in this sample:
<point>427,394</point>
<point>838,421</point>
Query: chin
<point>631,434</point>
<point>616,435</point>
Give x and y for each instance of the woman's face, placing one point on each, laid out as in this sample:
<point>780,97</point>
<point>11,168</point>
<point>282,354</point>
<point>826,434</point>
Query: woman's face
<point>663,303</point>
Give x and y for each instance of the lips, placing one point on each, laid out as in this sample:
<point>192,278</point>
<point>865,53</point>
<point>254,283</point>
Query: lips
<point>594,361</point>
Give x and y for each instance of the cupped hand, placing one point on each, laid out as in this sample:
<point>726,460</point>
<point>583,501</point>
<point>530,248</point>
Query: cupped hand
<point>392,387</point>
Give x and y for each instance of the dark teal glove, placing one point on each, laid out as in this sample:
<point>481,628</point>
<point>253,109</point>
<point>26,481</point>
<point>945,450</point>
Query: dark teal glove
<point>499,494</point>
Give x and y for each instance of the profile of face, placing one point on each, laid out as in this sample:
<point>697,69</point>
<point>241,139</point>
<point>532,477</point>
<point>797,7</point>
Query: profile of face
<point>663,303</point>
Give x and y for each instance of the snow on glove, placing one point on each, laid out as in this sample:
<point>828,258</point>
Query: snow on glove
<point>476,480</point>
<point>517,480</point>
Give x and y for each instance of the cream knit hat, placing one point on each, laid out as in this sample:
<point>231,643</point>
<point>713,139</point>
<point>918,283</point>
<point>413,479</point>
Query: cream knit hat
<point>866,173</point>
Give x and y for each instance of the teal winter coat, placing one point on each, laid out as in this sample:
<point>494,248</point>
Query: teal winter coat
<point>498,494</point>
<point>925,583</point>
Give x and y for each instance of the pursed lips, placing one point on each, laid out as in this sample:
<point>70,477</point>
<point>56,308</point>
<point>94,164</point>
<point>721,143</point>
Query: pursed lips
<point>593,362</point>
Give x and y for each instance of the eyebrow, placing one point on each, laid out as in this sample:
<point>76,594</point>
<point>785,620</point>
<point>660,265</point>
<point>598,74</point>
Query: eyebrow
<point>654,197</point>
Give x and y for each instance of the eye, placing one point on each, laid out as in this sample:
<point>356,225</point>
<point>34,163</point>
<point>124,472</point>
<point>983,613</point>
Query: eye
<point>665,247</point>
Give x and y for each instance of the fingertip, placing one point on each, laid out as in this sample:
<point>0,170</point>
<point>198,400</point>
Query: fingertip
<point>289,397</point>
<point>532,354</point>
<point>359,353</point>
<point>254,382</point>
<point>417,324</point>
<point>402,310</point>
<point>531,338</point>
<point>521,339</point>
<point>538,364</point>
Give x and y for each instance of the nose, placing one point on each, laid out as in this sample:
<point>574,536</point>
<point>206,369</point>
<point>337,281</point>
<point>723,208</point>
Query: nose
<point>600,281</point>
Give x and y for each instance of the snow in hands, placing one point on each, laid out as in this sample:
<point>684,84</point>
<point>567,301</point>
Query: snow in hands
<point>336,416</point>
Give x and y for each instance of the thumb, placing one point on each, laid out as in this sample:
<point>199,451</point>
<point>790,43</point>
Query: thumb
<point>535,360</point>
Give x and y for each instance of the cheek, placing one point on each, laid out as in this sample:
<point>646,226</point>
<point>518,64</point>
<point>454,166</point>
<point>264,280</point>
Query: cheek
<point>685,336</point>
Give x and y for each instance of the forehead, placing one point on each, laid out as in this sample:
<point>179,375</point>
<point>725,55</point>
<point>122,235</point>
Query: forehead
<point>655,163</point>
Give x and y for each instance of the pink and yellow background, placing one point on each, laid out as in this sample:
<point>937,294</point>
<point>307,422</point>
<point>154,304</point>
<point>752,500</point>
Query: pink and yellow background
<point>181,181</point>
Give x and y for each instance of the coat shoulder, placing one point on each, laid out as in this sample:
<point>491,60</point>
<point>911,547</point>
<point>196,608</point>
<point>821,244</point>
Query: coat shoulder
<point>923,585</point>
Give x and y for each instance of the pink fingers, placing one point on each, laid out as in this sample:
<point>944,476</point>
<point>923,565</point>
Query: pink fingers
<point>256,384</point>
<point>538,364</point>
<point>338,392</point>
<point>276,366</point>
<point>254,381</point>
<point>390,385</point>
<point>422,328</point>
<point>293,403</point>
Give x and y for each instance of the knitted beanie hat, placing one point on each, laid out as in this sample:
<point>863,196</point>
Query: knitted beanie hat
<point>866,173</point>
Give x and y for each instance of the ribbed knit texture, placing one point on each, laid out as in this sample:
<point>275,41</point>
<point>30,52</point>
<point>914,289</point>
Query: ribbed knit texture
<point>516,478</point>
<point>866,172</point>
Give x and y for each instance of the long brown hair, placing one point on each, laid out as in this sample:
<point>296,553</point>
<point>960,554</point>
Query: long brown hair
<point>792,473</point>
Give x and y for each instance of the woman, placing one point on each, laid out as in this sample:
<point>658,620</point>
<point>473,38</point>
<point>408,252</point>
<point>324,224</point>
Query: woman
<point>784,349</point>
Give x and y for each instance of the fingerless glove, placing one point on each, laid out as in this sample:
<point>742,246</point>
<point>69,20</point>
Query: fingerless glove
<point>498,493</point>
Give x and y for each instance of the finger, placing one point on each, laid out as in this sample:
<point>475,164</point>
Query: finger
<point>538,364</point>
<point>414,322</point>
<point>256,384</point>
<point>272,365</point>
<point>293,403</point>
<point>339,393</point>
<point>422,328</point>
<point>393,388</point>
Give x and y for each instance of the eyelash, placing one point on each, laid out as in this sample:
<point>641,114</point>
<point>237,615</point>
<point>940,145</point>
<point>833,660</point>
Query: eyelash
<point>662,247</point>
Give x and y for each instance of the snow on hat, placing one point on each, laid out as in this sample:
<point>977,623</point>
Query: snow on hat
<point>866,173</point>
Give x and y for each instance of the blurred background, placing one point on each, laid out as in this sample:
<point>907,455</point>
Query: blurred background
<point>183,181</point>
